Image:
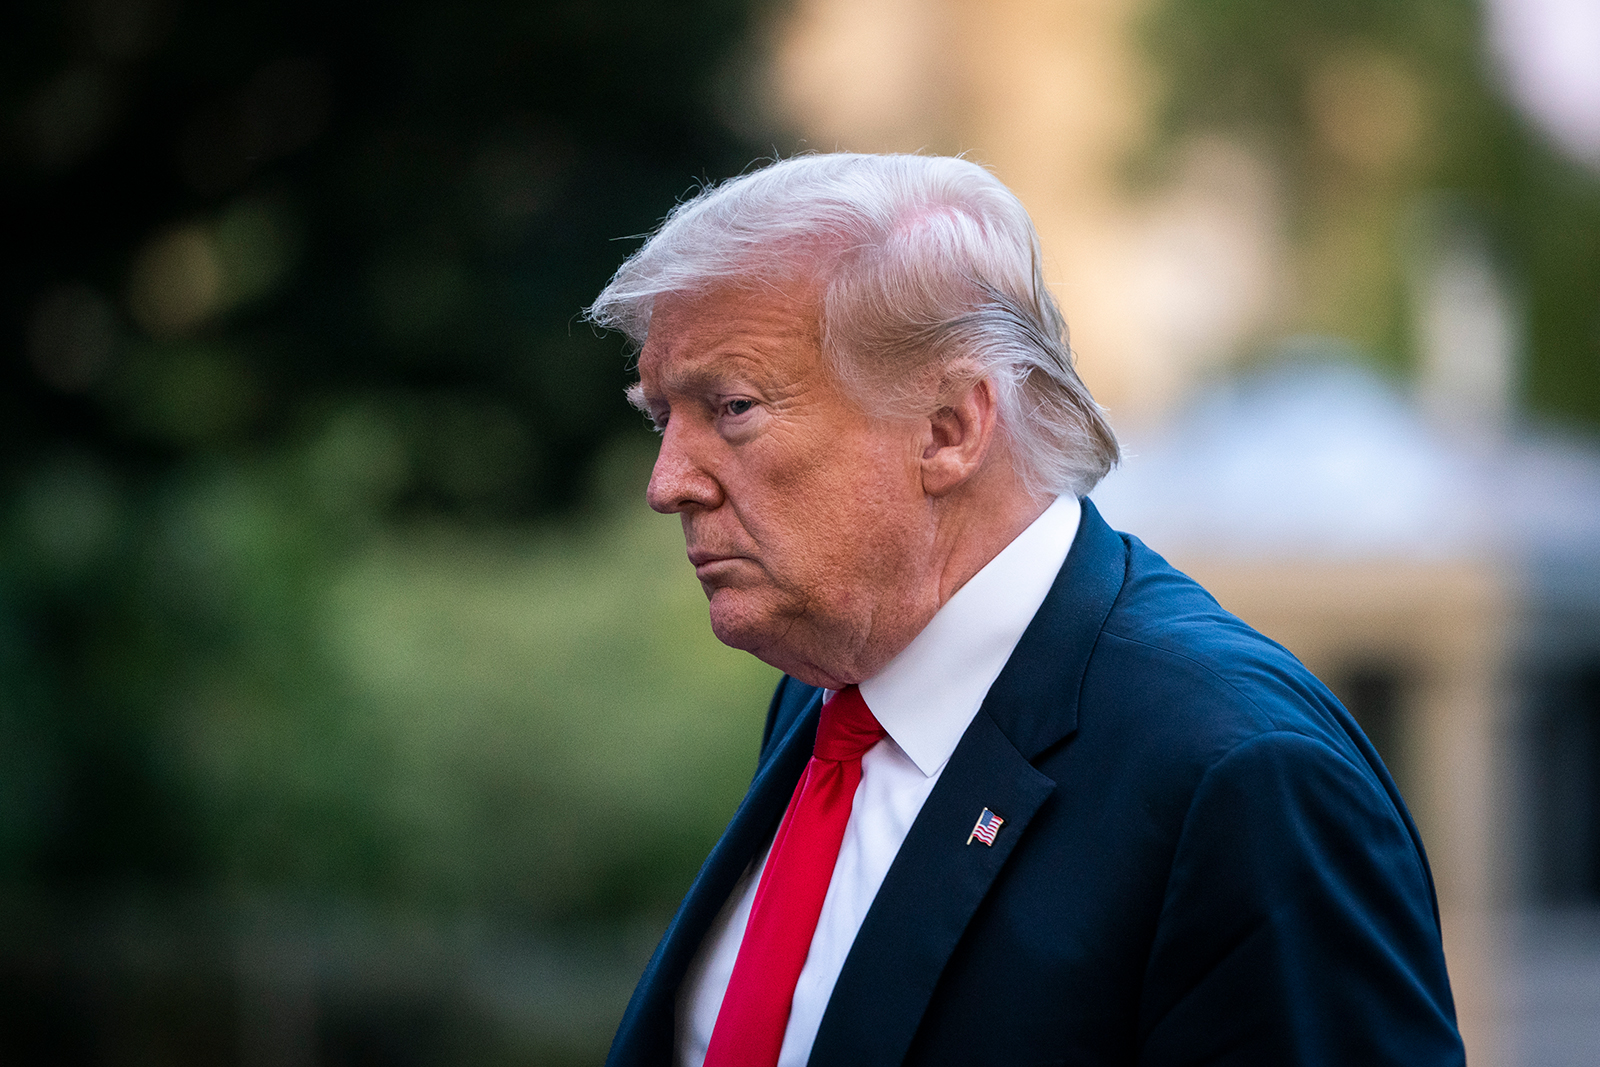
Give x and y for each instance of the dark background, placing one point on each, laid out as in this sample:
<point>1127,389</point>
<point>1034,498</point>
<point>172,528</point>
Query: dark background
<point>282,281</point>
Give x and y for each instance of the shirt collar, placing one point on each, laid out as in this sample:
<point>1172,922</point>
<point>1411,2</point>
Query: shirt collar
<point>926,696</point>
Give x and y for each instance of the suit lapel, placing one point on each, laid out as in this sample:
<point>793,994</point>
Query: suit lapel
<point>646,1033</point>
<point>935,884</point>
<point>1034,701</point>
<point>937,880</point>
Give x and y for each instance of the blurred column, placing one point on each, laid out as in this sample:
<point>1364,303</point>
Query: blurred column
<point>1469,333</point>
<point>1457,736</point>
<point>1441,626</point>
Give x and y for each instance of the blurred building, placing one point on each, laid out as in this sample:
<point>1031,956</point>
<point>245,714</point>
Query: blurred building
<point>1432,560</point>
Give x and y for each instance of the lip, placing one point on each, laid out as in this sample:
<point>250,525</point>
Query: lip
<point>707,562</point>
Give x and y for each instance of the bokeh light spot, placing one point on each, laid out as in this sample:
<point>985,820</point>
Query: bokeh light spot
<point>256,245</point>
<point>1367,110</point>
<point>176,282</point>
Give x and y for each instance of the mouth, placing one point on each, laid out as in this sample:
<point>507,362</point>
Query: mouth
<point>708,565</point>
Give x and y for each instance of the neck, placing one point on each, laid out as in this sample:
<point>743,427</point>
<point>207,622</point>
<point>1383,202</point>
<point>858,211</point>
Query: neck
<point>965,530</point>
<point>977,532</point>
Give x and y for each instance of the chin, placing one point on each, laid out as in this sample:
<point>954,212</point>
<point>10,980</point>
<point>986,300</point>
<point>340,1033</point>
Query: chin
<point>736,632</point>
<point>739,624</point>
<point>770,637</point>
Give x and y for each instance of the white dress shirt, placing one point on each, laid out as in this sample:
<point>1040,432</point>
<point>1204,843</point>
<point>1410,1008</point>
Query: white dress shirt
<point>925,698</point>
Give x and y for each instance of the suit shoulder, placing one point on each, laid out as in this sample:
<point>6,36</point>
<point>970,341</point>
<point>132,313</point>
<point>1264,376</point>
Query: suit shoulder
<point>1192,671</point>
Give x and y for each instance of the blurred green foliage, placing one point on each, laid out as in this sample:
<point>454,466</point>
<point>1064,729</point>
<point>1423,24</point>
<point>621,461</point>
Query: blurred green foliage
<point>324,576</point>
<point>1392,131</point>
<point>283,282</point>
<point>534,721</point>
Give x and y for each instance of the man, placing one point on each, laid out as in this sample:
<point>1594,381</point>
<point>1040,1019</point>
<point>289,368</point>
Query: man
<point>1026,795</point>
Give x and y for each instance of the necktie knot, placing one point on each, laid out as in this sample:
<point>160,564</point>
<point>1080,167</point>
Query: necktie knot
<point>847,728</point>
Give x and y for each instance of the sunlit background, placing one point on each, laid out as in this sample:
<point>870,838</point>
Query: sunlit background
<point>355,711</point>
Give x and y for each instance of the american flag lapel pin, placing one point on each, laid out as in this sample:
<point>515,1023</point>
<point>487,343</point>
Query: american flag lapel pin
<point>988,825</point>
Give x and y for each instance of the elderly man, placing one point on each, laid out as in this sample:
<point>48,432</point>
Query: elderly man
<point>1026,795</point>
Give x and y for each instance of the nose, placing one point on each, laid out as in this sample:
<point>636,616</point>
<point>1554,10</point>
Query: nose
<point>680,481</point>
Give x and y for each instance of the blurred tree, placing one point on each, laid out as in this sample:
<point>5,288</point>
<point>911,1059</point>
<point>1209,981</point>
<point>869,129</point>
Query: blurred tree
<point>1389,127</point>
<point>274,276</point>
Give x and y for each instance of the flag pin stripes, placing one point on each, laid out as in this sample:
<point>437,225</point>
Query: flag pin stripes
<point>988,825</point>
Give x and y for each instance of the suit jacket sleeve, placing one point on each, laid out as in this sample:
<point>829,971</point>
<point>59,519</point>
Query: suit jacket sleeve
<point>1291,930</point>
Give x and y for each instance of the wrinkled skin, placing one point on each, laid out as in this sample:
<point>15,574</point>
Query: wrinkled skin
<point>825,538</point>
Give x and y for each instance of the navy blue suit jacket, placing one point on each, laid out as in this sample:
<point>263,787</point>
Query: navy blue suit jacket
<point>1203,860</point>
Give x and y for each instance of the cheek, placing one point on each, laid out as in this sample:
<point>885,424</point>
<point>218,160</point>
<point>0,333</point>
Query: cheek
<point>874,520</point>
<point>866,464</point>
<point>825,511</point>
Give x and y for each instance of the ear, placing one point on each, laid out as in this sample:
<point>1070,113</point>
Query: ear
<point>959,436</point>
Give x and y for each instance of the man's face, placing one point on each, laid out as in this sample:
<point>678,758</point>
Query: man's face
<point>804,517</point>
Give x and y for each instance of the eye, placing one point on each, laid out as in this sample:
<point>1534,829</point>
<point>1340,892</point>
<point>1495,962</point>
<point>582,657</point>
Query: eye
<point>739,406</point>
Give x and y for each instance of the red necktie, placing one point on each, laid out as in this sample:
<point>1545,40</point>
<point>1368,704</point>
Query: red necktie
<point>755,1010</point>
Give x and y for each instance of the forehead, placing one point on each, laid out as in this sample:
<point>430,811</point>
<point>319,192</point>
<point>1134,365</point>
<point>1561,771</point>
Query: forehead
<point>730,330</point>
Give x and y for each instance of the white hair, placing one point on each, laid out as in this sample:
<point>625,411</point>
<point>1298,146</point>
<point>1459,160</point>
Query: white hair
<point>925,265</point>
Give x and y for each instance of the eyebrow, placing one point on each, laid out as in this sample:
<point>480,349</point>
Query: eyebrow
<point>635,395</point>
<point>693,381</point>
